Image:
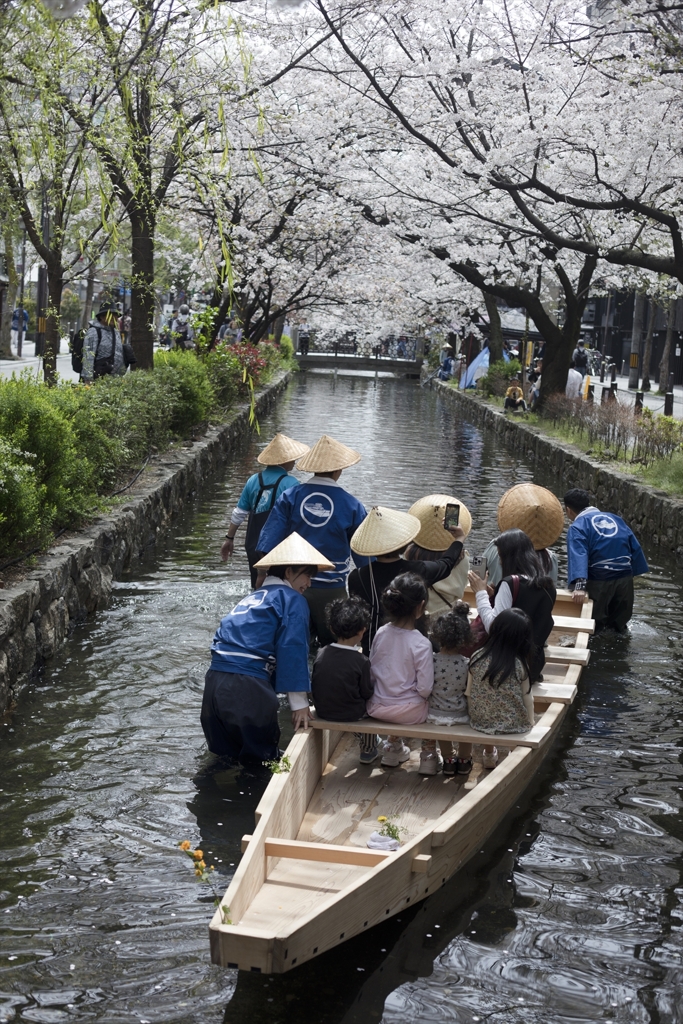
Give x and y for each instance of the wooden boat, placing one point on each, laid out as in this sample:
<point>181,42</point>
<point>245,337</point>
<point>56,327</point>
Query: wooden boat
<point>307,880</point>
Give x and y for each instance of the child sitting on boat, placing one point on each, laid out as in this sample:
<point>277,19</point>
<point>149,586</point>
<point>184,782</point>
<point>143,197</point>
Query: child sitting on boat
<point>499,695</point>
<point>401,664</point>
<point>447,702</point>
<point>340,680</point>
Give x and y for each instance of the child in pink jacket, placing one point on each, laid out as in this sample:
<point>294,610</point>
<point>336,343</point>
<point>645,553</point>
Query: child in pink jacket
<point>401,664</point>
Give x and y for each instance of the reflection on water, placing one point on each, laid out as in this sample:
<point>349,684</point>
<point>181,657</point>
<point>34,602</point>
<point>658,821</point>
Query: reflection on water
<point>572,912</point>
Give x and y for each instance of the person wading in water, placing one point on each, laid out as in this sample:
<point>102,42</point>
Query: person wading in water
<point>260,493</point>
<point>324,514</point>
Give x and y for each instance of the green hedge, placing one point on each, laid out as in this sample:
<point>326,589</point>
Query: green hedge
<point>64,448</point>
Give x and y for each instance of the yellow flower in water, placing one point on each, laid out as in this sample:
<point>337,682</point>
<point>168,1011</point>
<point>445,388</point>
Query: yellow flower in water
<point>198,872</point>
<point>382,817</point>
<point>200,864</point>
<point>212,868</point>
<point>197,854</point>
<point>185,845</point>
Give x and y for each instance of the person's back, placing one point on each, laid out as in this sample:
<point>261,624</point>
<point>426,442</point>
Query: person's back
<point>580,359</point>
<point>574,383</point>
<point>537,602</point>
<point>499,695</point>
<point>604,556</point>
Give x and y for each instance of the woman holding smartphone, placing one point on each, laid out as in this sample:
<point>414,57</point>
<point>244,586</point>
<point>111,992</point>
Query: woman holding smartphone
<point>436,513</point>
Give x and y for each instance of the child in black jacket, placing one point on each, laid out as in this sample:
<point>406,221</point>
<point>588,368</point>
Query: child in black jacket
<point>340,679</point>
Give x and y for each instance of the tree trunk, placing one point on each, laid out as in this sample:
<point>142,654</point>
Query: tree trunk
<point>89,292</point>
<point>496,331</point>
<point>647,354</point>
<point>279,328</point>
<point>557,357</point>
<point>142,289</point>
<point>10,295</point>
<point>636,336</point>
<point>666,354</point>
<point>55,285</point>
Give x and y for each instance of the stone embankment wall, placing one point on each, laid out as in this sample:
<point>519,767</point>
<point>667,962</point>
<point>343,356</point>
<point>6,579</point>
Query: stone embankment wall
<point>74,578</point>
<point>653,515</point>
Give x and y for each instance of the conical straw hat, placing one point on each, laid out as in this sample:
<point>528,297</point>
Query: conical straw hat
<point>533,509</point>
<point>282,449</point>
<point>384,530</point>
<point>294,550</point>
<point>328,455</point>
<point>430,510</point>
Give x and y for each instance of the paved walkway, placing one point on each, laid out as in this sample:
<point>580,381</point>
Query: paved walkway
<point>34,363</point>
<point>651,399</point>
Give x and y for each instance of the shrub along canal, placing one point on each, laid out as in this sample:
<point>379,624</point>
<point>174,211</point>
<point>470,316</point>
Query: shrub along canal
<point>572,912</point>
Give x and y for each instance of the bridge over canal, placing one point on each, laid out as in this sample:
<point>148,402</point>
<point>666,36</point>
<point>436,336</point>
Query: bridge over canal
<point>359,361</point>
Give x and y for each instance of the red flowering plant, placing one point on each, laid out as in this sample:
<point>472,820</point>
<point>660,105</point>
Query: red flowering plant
<point>251,360</point>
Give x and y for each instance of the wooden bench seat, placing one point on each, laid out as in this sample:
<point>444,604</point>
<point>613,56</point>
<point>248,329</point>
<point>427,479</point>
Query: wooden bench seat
<point>573,624</point>
<point>455,733</point>
<point>567,655</point>
<point>549,692</point>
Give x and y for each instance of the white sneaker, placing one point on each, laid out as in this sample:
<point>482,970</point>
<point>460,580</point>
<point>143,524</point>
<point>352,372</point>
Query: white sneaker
<point>490,760</point>
<point>430,763</point>
<point>394,754</point>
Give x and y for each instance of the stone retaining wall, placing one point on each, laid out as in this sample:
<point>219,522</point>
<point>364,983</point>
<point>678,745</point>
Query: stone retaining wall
<point>654,516</point>
<point>74,578</point>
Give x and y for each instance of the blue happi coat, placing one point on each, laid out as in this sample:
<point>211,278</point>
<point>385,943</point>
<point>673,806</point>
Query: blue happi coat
<point>602,547</point>
<point>266,635</point>
<point>325,515</point>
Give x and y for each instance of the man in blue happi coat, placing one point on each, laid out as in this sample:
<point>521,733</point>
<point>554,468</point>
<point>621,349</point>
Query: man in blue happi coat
<point>324,514</point>
<point>261,649</point>
<point>604,556</point>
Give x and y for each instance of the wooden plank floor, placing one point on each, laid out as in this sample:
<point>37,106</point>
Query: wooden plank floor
<point>350,797</point>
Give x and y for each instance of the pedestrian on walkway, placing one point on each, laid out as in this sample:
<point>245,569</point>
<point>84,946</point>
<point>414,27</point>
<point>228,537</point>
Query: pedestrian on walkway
<point>580,359</point>
<point>103,353</point>
<point>324,514</point>
<point>604,556</point>
<point>17,321</point>
<point>260,493</point>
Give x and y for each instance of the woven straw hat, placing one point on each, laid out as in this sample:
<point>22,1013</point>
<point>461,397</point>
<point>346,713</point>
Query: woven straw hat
<point>294,550</point>
<point>282,449</point>
<point>384,530</point>
<point>533,509</point>
<point>430,510</point>
<point>328,455</point>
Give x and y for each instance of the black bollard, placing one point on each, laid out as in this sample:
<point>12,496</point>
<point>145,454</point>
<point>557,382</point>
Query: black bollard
<point>669,403</point>
<point>613,372</point>
<point>602,371</point>
<point>605,396</point>
<point>638,408</point>
<point>590,394</point>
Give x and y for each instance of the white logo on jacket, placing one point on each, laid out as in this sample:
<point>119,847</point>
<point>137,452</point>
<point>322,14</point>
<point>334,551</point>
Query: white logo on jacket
<point>604,525</point>
<point>317,509</point>
<point>249,602</point>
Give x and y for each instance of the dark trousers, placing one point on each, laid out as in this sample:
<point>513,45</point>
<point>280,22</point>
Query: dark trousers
<point>239,717</point>
<point>612,602</point>
<point>515,403</point>
<point>318,599</point>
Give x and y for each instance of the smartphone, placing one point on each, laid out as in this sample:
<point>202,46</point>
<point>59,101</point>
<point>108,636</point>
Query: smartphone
<point>452,516</point>
<point>478,565</point>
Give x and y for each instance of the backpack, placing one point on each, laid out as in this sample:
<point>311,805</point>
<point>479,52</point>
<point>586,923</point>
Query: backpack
<point>76,346</point>
<point>182,337</point>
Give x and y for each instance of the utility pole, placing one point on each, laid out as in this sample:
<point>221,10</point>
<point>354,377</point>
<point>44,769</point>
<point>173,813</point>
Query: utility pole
<point>20,335</point>
<point>636,336</point>
<point>41,294</point>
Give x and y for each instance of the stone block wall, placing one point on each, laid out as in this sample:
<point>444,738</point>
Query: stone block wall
<point>654,516</point>
<point>75,577</point>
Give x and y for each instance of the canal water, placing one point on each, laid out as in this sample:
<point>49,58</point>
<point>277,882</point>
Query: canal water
<point>572,912</point>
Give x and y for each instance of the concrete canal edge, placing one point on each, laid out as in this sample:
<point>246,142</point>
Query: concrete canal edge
<point>74,577</point>
<point>653,515</point>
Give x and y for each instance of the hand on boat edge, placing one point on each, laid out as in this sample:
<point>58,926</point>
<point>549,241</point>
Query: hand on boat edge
<point>301,718</point>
